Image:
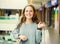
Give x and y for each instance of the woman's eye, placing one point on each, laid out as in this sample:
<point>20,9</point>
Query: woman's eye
<point>26,11</point>
<point>30,10</point>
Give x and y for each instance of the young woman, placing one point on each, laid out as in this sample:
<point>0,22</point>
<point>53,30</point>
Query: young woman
<point>26,29</point>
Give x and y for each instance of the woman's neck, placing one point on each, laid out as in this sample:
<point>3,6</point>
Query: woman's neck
<point>29,21</point>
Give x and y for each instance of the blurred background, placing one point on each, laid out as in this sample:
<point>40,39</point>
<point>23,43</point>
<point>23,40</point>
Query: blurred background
<point>46,10</point>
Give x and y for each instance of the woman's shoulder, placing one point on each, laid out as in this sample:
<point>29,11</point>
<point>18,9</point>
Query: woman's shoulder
<point>35,24</point>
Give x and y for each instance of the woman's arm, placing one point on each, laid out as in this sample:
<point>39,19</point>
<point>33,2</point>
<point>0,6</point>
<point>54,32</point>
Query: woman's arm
<point>15,33</point>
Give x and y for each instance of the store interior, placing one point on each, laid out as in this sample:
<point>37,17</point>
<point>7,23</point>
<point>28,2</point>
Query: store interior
<point>46,10</point>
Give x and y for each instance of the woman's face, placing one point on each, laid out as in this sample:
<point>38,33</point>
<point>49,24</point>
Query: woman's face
<point>29,12</point>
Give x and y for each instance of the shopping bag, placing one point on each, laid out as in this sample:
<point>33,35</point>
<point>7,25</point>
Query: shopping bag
<point>18,41</point>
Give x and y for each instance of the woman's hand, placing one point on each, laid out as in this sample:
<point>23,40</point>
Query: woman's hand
<point>42,24</point>
<point>23,38</point>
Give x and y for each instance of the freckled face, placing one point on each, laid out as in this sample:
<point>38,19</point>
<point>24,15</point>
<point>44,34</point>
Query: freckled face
<point>29,12</point>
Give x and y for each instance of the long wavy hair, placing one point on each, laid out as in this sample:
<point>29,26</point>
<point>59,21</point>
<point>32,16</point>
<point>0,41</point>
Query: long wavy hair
<point>23,19</point>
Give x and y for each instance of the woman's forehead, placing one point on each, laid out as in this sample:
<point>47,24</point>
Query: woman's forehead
<point>28,8</point>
